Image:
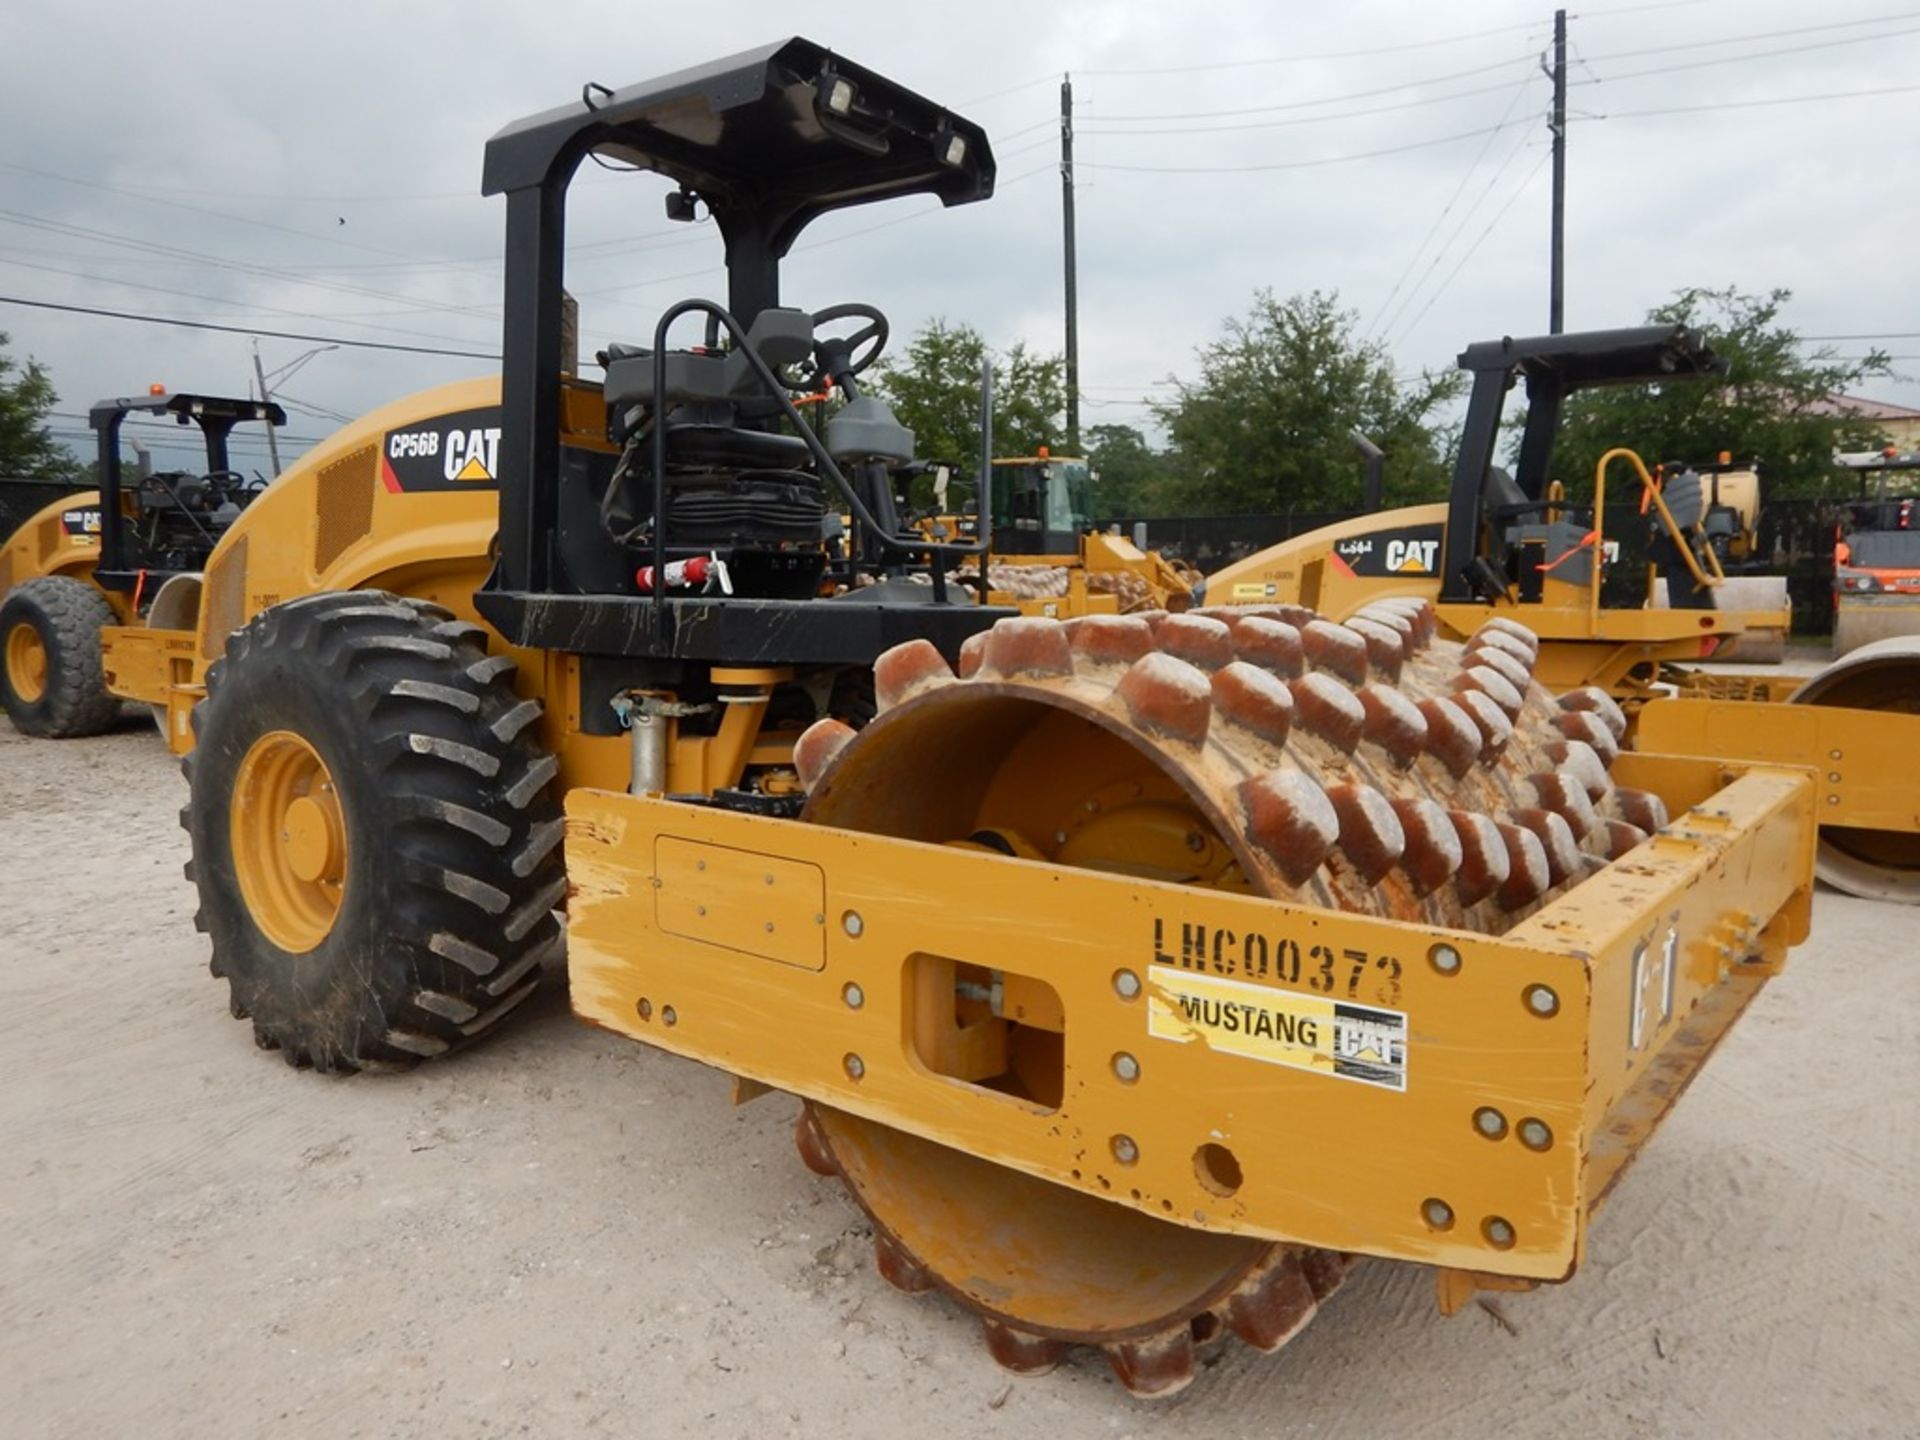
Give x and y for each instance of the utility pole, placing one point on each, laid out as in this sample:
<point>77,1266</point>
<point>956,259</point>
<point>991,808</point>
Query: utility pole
<point>1557,283</point>
<point>281,375</point>
<point>1073,298</point>
<point>273,443</point>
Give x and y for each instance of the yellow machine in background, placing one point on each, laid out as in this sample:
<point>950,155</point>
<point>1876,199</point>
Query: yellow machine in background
<point>128,554</point>
<point>1520,547</point>
<point>1045,558</point>
<point>1072,937</point>
<point>1558,566</point>
<point>404,500</point>
<point>1729,526</point>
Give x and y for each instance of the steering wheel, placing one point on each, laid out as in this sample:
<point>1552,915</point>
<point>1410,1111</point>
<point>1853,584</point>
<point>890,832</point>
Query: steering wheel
<point>840,356</point>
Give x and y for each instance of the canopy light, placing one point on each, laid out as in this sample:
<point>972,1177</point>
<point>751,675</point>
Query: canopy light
<point>837,94</point>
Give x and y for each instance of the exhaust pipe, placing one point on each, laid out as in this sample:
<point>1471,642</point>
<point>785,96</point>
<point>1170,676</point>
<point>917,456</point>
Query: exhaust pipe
<point>1376,461</point>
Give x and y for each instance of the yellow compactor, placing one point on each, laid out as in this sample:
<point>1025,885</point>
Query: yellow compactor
<point>126,554</point>
<point>1139,975</point>
<point>1518,547</point>
<point>1045,556</point>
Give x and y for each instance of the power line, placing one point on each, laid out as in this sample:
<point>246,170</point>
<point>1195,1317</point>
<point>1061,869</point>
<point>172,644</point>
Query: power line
<point>61,227</point>
<point>251,443</point>
<point>1607,12</point>
<point>1762,35</point>
<point>1465,177</point>
<point>284,198</point>
<point>1367,53</point>
<point>411,304</point>
<point>1479,240</point>
<point>1391,318</point>
<point>1752,104</point>
<point>645,240</point>
<point>714,268</point>
<point>1005,135</point>
<point>243,329</point>
<point>1703,64</point>
<point>1583,61</point>
<point>1308,164</point>
<point>162,433</point>
<point>1395,89</point>
<point>1029,147</point>
<point>307,407</point>
<point>190,324</point>
<point>1314,119</point>
<point>195,209</point>
<point>1010,90</point>
<point>215,299</point>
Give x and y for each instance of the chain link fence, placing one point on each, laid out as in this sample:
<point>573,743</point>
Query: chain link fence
<point>20,498</point>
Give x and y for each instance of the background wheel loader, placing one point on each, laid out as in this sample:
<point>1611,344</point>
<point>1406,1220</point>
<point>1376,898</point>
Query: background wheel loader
<point>1072,950</point>
<point>1520,546</point>
<point>128,553</point>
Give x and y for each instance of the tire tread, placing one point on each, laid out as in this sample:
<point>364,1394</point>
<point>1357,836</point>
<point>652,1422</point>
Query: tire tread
<point>460,935</point>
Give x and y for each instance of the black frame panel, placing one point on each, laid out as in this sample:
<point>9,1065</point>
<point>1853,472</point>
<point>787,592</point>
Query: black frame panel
<point>216,415</point>
<point>756,139</point>
<point>1552,367</point>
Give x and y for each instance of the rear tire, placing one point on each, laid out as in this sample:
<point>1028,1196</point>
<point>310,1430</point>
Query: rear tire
<point>408,910</point>
<point>51,679</point>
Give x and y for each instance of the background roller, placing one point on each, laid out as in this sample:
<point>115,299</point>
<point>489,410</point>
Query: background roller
<point>1745,593</point>
<point>1364,766</point>
<point>1876,864</point>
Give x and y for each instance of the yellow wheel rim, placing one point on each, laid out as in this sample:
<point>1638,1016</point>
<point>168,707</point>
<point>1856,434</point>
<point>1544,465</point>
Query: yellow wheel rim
<point>26,663</point>
<point>289,841</point>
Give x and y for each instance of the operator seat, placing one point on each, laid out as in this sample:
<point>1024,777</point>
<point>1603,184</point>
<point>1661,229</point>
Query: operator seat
<point>1686,499</point>
<point>708,396</point>
<point>733,478</point>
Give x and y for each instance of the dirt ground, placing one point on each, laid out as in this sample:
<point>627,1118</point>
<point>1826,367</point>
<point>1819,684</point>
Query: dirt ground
<point>565,1233</point>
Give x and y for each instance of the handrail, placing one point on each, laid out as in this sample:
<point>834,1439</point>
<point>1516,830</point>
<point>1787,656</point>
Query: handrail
<point>1652,492</point>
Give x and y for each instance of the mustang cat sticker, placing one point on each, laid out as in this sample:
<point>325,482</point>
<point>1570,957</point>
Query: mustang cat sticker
<point>1303,1032</point>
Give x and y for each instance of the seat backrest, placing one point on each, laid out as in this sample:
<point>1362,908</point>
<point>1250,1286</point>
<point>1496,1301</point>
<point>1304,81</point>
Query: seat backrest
<point>1686,498</point>
<point>1502,496</point>
<point>778,336</point>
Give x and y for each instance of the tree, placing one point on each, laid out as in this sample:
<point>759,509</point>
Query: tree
<point>1130,473</point>
<point>935,390</point>
<point>1268,425</point>
<point>26,449</point>
<point>1773,404</point>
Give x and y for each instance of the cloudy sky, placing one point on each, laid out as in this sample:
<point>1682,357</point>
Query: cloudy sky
<point>315,168</point>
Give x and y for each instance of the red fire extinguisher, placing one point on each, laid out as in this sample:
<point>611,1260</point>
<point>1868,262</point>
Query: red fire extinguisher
<point>705,572</point>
